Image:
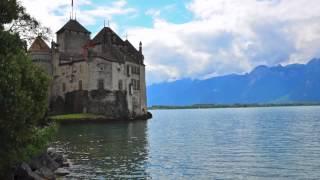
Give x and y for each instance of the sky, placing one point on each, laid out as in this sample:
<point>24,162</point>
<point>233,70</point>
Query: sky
<point>199,39</point>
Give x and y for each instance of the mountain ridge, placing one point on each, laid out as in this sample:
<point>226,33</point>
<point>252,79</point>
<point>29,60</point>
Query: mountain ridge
<point>293,83</point>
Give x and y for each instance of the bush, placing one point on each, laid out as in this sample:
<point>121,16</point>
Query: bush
<point>23,103</point>
<point>23,90</point>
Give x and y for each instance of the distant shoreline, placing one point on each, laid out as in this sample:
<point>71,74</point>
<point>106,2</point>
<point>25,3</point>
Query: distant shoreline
<point>212,106</point>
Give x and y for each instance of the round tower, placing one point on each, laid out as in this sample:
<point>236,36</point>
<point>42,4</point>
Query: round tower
<point>41,54</point>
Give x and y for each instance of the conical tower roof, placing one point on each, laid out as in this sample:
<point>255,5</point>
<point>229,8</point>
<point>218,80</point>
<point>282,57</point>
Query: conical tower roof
<point>102,36</point>
<point>39,45</point>
<point>73,25</point>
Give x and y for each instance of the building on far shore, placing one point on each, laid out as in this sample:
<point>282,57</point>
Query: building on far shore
<point>103,75</point>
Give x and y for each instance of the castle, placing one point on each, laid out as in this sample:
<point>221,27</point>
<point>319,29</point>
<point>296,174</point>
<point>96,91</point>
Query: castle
<point>104,75</point>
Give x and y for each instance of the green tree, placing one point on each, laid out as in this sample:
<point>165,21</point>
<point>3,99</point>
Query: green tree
<point>23,96</point>
<point>8,11</point>
<point>20,22</point>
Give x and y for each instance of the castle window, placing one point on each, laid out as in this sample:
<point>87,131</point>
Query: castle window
<point>100,84</point>
<point>128,70</point>
<point>130,89</point>
<point>135,70</point>
<point>63,87</point>
<point>74,69</point>
<point>120,85</point>
<point>80,85</point>
<point>133,84</point>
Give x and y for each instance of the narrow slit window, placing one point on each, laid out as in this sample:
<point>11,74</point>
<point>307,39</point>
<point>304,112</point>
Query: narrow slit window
<point>120,85</point>
<point>128,70</point>
<point>100,84</point>
<point>80,85</point>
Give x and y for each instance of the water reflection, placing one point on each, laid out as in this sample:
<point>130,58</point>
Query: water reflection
<point>241,143</point>
<point>103,151</point>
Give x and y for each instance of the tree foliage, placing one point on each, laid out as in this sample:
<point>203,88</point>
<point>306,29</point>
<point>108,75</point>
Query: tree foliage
<point>23,95</point>
<point>8,11</point>
<point>21,22</point>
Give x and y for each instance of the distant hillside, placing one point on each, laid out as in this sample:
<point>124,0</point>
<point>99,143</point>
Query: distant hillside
<point>289,84</point>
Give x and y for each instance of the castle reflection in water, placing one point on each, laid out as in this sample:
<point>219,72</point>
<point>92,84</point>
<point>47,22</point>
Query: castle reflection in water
<point>109,150</point>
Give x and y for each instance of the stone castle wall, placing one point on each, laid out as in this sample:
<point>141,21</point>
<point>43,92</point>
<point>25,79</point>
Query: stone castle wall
<point>43,60</point>
<point>75,83</point>
<point>72,42</point>
<point>96,81</point>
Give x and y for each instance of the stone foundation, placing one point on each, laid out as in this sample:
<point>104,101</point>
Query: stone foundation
<point>112,104</point>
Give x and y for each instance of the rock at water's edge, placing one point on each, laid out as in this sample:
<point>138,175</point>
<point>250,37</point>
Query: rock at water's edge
<point>24,172</point>
<point>61,172</point>
<point>44,160</point>
<point>44,166</point>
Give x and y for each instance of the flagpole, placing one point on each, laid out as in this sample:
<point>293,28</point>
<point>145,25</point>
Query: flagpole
<point>72,8</point>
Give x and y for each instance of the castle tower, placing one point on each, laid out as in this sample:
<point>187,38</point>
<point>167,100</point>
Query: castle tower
<point>72,37</point>
<point>41,54</point>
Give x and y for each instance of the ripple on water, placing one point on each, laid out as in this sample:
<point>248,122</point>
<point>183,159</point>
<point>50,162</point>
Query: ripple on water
<point>242,143</point>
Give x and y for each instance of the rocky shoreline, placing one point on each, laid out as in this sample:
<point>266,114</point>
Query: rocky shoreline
<point>53,163</point>
<point>49,165</point>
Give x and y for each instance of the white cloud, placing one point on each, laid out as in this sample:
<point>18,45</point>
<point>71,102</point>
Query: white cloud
<point>224,36</point>
<point>55,13</point>
<point>156,13</point>
<point>106,12</point>
<point>153,12</point>
<point>231,36</point>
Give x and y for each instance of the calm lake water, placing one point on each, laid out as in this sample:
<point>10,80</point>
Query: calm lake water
<point>235,143</point>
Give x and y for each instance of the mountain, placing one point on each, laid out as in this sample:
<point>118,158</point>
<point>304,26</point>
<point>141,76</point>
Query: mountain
<point>295,83</point>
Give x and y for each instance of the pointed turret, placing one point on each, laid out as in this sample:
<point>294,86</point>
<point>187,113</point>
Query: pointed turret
<point>107,35</point>
<point>39,45</point>
<point>41,54</point>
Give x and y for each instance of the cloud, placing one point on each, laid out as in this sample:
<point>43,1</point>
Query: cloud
<point>157,12</point>
<point>230,37</point>
<point>153,12</point>
<point>55,13</point>
<point>105,12</point>
<point>221,37</point>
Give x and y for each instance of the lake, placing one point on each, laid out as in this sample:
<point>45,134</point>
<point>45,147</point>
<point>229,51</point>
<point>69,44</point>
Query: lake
<point>230,143</point>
